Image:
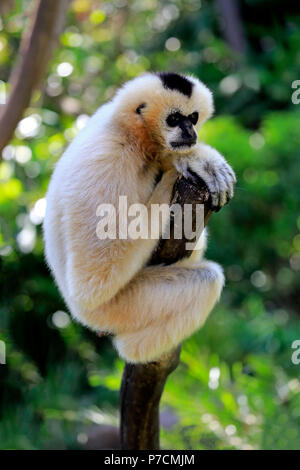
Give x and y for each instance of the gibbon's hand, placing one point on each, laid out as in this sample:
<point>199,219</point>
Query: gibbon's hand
<point>209,165</point>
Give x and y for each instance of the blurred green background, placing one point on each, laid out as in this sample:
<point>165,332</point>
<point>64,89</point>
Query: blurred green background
<point>236,386</point>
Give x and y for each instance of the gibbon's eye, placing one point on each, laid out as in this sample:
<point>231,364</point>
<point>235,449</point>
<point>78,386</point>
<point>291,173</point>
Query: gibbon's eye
<point>173,119</point>
<point>194,117</point>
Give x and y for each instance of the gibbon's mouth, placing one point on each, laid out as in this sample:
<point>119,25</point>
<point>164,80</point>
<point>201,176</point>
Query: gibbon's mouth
<point>183,143</point>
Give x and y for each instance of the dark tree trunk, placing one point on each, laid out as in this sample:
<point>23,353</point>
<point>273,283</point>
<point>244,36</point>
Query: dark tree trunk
<point>231,25</point>
<point>36,48</point>
<point>141,390</point>
<point>143,384</point>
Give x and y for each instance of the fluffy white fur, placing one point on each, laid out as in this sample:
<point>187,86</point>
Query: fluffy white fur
<point>105,282</point>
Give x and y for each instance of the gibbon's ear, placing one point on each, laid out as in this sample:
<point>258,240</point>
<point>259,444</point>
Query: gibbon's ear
<point>140,107</point>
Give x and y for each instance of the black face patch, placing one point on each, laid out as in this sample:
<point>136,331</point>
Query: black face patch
<point>174,81</point>
<point>194,118</point>
<point>174,119</point>
<point>188,136</point>
<point>178,119</point>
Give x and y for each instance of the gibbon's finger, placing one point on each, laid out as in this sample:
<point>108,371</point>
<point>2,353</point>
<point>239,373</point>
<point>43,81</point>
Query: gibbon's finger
<point>228,193</point>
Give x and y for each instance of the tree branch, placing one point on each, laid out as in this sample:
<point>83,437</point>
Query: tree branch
<point>143,384</point>
<point>36,48</point>
<point>232,25</point>
<point>6,6</point>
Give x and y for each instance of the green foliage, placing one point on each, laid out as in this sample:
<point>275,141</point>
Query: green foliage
<point>236,386</point>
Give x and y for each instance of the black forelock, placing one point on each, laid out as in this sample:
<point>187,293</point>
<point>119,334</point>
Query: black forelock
<point>174,81</point>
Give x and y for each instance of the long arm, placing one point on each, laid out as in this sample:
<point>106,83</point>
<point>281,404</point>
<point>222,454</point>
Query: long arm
<point>97,270</point>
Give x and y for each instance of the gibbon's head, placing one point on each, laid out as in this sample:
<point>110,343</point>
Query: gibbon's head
<point>165,109</point>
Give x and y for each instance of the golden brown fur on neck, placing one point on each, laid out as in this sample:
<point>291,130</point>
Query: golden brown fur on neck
<point>139,136</point>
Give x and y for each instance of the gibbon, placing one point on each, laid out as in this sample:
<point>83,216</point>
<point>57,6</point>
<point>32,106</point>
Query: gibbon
<point>149,127</point>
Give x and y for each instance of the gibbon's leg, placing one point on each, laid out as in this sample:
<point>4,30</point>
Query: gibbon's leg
<point>160,307</point>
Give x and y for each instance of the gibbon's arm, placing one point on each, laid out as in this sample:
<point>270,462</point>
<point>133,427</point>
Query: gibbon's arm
<point>212,167</point>
<point>98,269</point>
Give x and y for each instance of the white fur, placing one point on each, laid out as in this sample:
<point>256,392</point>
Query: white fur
<point>105,282</point>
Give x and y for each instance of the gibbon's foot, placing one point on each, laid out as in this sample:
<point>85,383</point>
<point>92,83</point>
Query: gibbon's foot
<point>218,176</point>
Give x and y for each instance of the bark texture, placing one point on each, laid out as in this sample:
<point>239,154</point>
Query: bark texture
<point>35,51</point>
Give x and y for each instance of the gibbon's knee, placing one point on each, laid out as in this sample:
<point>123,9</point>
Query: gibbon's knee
<point>178,316</point>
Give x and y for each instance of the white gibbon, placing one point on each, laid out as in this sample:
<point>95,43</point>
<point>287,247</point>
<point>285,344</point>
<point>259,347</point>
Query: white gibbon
<point>149,127</point>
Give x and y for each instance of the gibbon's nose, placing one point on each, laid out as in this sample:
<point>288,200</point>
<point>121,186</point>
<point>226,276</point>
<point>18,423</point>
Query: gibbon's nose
<point>188,133</point>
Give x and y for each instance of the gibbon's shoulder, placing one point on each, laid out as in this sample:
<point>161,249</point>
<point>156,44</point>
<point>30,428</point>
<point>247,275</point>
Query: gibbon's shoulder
<point>96,127</point>
<point>93,141</point>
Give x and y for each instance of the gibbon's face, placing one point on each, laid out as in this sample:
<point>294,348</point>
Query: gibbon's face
<point>179,129</point>
<point>187,104</point>
<point>169,109</point>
